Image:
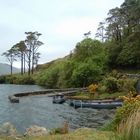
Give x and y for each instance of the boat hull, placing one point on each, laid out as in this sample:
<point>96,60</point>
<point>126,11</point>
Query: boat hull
<point>96,105</point>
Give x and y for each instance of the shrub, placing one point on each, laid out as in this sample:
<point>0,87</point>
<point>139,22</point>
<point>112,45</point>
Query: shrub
<point>111,84</point>
<point>2,79</point>
<point>85,74</point>
<point>49,77</point>
<point>102,88</point>
<point>10,79</point>
<point>126,84</point>
<point>117,82</point>
<point>92,88</point>
<point>129,130</point>
<point>115,74</point>
<point>27,80</point>
<point>131,104</point>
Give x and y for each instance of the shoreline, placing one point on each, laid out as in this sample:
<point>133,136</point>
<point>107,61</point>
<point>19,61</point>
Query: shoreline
<point>50,92</point>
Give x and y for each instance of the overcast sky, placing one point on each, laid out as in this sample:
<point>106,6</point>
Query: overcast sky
<point>61,22</point>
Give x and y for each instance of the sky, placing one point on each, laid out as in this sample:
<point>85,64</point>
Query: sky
<point>62,23</point>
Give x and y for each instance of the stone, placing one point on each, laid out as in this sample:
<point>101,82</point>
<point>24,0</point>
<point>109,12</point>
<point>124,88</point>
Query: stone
<point>36,131</point>
<point>8,129</point>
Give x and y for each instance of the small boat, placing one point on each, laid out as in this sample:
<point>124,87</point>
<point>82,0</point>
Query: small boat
<point>96,104</point>
<point>58,99</point>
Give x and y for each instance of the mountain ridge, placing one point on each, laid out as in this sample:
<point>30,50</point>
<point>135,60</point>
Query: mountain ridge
<point>5,69</point>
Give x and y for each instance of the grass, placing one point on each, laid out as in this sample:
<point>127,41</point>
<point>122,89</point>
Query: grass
<point>112,95</point>
<point>80,134</point>
<point>88,96</point>
<point>130,130</point>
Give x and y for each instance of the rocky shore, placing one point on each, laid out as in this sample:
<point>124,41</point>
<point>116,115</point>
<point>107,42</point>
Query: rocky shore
<point>8,129</point>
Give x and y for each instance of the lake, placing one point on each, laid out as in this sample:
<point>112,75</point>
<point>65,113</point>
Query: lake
<point>39,110</point>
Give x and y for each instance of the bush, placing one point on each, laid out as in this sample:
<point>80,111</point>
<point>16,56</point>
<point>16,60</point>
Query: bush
<point>111,84</point>
<point>131,104</point>
<point>129,130</point>
<point>126,84</point>
<point>2,79</point>
<point>48,78</point>
<point>102,88</point>
<point>92,88</point>
<point>20,79</point>
<point>116,82</point>
<point>27,80</point>
<point>10,79</point>
<point>85,74</point>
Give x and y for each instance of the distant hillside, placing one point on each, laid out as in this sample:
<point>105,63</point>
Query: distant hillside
<point>52,63</point>
<point>5,69</point>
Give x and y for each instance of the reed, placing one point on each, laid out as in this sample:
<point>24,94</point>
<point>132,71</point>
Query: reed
<point>129,129</point>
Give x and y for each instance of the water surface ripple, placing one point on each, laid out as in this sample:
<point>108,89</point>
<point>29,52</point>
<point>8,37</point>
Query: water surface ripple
<point>39,110</point>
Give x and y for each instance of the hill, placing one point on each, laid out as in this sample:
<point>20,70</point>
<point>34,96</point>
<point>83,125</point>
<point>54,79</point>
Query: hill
<point>5,69</point>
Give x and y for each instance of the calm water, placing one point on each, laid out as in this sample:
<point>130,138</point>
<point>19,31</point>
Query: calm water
<point>39,110</point>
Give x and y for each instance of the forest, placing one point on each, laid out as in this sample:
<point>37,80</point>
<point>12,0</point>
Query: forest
<point>115,46</point>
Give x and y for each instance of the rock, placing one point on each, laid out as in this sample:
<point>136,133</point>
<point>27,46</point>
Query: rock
<point>36,131</point>
<point>8,129</point>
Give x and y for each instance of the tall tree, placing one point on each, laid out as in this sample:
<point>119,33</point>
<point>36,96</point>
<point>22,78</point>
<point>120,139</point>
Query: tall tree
<point>101,31</point>
<point>32,44</point>
<point>21,48</point>
<point>10,55</point>
<point>36,57</point>
<point>123,30</point>
<point>114,25</point>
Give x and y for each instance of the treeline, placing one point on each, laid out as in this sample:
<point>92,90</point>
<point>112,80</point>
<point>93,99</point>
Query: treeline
<point>26,51</point>
<point>121,34</point>
<point>119,47</point>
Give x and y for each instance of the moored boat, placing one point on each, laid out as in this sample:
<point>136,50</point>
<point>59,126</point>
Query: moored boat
<point>58,99</point>
<point>111,104</point>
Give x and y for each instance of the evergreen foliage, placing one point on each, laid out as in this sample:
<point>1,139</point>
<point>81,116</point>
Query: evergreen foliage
<point>123,35</point>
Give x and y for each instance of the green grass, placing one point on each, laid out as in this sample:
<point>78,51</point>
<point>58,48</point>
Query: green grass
<point>80,134</point>
<point>112,95</point>
<point>88,96</point>
<point>129,129</point>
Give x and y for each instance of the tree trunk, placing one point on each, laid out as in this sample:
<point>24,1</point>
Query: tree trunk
<point>33,53</point>
<point>21,63</point>
<point>24,62</point>
<point>11,68</point>
<point>29,62</point>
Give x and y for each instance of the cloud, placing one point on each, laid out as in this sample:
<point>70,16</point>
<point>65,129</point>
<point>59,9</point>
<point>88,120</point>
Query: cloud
<point>61,22</point>
<point>75,27</point>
